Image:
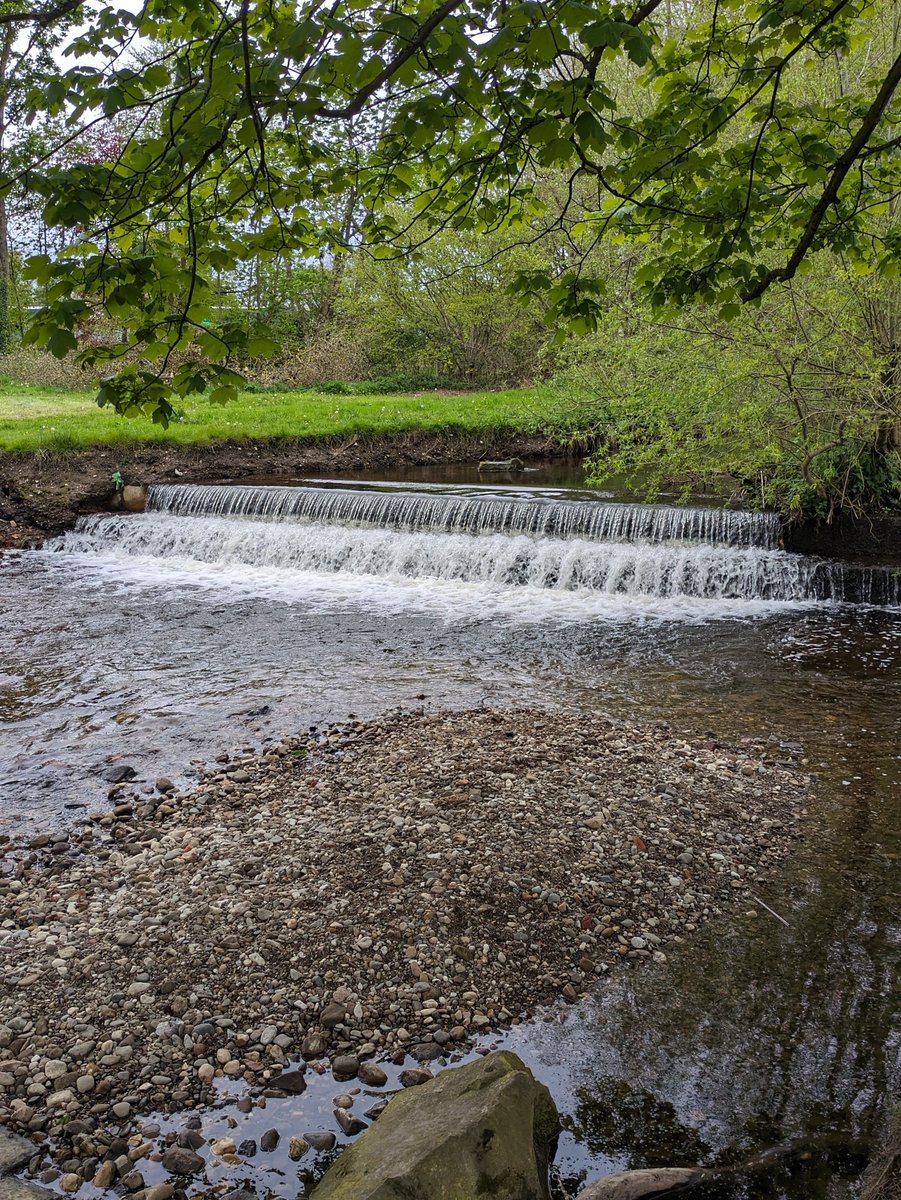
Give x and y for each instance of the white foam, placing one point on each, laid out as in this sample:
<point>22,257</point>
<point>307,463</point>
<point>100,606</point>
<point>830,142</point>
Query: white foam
<point>457,576</point>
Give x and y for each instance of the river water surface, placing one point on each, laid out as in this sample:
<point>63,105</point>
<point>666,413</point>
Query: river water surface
<point>160,639</point>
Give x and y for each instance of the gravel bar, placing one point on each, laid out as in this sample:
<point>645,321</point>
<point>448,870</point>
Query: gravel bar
<point>379,889</point>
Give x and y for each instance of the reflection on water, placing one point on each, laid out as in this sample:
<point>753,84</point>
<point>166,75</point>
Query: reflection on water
<point>760,1032</point>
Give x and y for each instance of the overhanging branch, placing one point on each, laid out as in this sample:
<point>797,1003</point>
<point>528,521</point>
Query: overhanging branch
<point>830,192</point>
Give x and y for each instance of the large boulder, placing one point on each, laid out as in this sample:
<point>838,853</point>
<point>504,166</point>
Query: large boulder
<point>12,1188</point>
<point>15,1151</point>
<point>651,1184</point>
<point>483,1130</point>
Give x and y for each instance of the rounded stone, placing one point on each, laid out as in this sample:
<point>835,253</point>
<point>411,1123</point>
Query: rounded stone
<point>345,1066</point>
<point>371,1074</point>
<point>320,1140</point>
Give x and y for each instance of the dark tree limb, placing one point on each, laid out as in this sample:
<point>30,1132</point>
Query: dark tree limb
<point>42,17</point>
<point>390,69</point>
<point>830,192</point>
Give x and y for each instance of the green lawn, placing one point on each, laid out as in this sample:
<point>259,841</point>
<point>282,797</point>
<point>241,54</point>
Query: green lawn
<point>33,418</point>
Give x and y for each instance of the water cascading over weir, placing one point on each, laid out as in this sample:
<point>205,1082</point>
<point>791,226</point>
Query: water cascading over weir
<point>570,545</point>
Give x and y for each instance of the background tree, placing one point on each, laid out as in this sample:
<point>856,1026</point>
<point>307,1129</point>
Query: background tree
<point>727,175</point>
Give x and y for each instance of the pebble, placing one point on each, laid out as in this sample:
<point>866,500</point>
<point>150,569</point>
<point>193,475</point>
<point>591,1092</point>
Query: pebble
<point>392,890</point>
<point>297,1148</point>
<point>106,1174</point>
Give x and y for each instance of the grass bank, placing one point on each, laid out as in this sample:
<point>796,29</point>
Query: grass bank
<point>34,419</point>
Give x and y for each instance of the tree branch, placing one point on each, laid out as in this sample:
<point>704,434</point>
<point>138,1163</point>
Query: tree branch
<point>414,46</point>
<point>830,192</point>
<point>41,17</point>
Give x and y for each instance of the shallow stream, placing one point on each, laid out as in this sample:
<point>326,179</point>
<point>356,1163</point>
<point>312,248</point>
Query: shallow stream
<point>159,639</point>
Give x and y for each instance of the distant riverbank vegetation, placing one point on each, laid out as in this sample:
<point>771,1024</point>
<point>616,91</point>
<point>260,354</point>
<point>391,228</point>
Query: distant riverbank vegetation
<point>677,230</point>
<point>792,405</point>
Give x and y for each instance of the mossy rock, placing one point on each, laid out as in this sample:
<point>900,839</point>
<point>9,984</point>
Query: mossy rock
<point>473,1132</point>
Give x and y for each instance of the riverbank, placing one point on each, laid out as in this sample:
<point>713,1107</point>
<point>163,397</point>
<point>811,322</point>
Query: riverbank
<point>391,888</point>
<point>43,493</point>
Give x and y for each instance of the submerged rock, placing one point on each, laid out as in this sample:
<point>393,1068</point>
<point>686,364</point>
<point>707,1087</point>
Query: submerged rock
<point>482,1130</point>
<point>637,1185</point>
<point>503,464</point>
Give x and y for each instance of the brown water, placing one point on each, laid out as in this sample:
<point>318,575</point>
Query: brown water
<point>761,1031</point>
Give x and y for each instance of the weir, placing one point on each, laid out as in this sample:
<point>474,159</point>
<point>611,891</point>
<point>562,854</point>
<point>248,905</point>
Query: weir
<point>415,512</point>
<point>579,548</point>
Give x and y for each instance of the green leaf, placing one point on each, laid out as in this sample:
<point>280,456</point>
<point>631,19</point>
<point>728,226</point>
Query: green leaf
<point>225,394</point>
<point>543,44</point>
<point>61,342</point>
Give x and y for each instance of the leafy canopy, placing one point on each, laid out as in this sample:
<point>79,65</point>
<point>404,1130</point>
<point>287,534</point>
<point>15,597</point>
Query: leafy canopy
<point>243,128</point>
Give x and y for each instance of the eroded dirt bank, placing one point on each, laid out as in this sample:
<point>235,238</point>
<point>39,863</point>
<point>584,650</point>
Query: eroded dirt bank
<point>41,494</point>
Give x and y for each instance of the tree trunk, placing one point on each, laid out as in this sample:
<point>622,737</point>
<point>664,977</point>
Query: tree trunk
<point>5,55</point>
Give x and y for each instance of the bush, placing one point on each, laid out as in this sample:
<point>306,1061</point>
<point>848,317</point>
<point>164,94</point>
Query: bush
<point>331,358</point>
<point>35,368</point>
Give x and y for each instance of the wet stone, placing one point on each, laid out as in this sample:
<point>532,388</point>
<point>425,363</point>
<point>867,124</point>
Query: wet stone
<point>345,1066</point>
<point>321,1141</point>
<point>181,1161</point>
<point>349,1123</point>
<point>426,1051</point>
<point>292,1082</point>
<point>371,1074</point>
<point>415,1076</point>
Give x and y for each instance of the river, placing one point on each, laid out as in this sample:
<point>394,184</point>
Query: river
<point>160,639</point>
